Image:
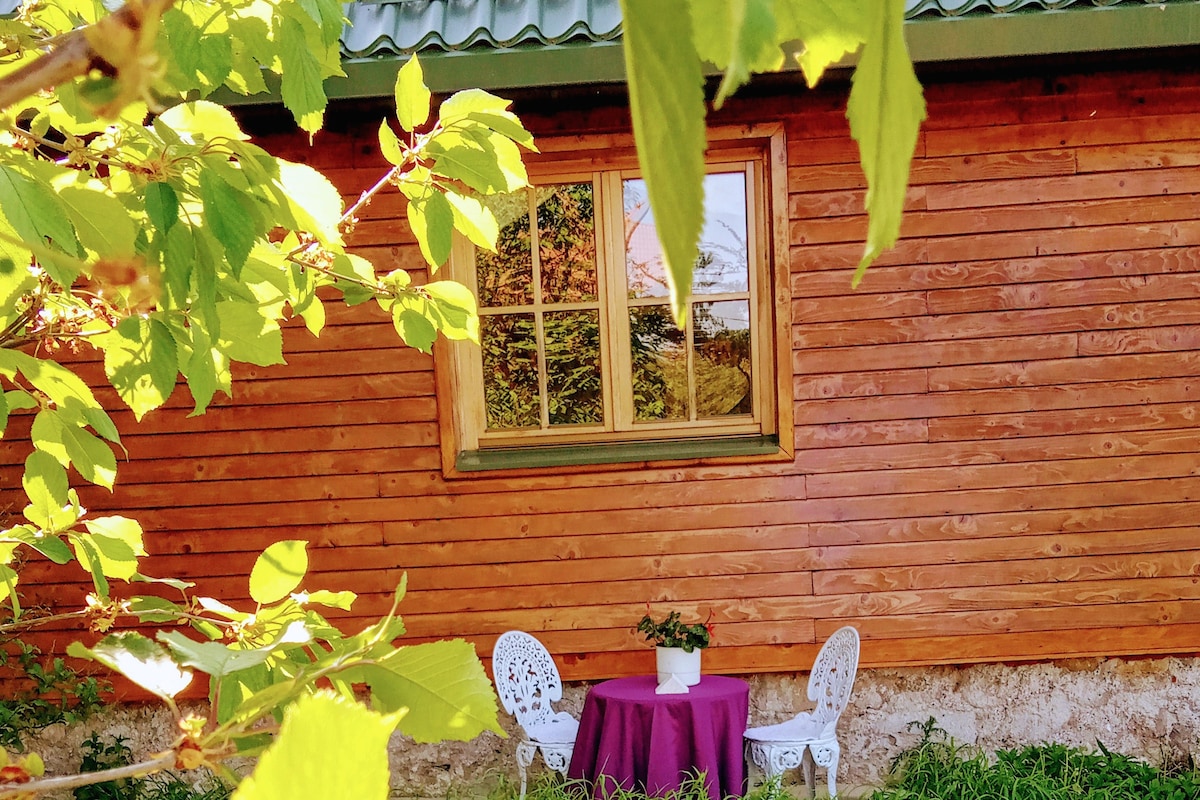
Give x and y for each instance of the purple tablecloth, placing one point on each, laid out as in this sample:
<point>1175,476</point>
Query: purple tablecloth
<point>630,736</point>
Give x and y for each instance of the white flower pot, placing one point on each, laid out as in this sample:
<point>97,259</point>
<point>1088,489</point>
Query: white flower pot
<point>675,661</point>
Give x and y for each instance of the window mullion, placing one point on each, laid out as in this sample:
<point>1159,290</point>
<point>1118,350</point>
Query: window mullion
<point>539,329</point>
<point>621,361</point>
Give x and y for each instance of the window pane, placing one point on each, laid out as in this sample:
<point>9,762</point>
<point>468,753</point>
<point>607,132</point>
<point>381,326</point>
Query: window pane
<point>510,371</point>
<point>567,242</point>
<point>723,263</point>
<point>660,385</point>
<point>722,360</point>
<point>574,390</point>
<point>505,278</point>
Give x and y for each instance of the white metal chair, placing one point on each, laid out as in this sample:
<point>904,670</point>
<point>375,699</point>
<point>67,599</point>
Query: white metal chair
<point>528,682</point>
<point>811,736</point>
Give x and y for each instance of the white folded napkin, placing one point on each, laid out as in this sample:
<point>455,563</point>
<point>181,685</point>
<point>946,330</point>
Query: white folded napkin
<point>672,685</point>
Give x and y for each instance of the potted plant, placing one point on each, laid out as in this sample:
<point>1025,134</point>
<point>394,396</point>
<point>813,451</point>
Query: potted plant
<point>678,646</point>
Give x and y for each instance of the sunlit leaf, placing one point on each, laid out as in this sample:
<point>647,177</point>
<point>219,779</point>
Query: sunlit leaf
<point>885,110</point>
<point>301,83</point>
<point>246,335</point>
<point>474,219</point>
<point>412,96</point>
<point>829,29</point>
<point>54,433</point>
<point>140,659</point>
<point>739,37</point>
<point>118,541</point>
<point>667,101</point>
<point>414,328</point>
<point>278,571</point>
<point>333,747</point>
<point>431,219</point>
<point>45,483</point>
<point>140,362</point>
<point>211,658</point>
<point>209,120</point>
<point>440,687</point>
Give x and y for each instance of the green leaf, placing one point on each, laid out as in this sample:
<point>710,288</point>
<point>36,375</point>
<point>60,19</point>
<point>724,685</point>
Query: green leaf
<point>37,216</point>
<point>141,660</point>
<point>506,124</point>
<point>54,433</point>
<point>45,483</point>
<point>118,540</point>
<point>334,748</point>
<point>415,328</point>
<point>278,571</point>
<point>886,110</point>
<point>65,388</point>
<point>484,160</point>
<point>141,363</point>
<point>212,658</point>
<point>89,559</point>
<point>208,120</point>
<point>456,307</point>
<point>301,82</point>
<point>14,283</point>
<point>316,203</point>
<point>389,144</point>
<point>230,216</point>
<point>353,266</point>
<point>412,95</point>
<point>162,206</point>
<point>830,29</point>
<point>155,610</point>
<point>431,218</point>
<point>739,37</point>
<point>246,335</point>
<point>667,102</point>
<point>8,585</point>
<point>45,543</point>
<point>101,221</point>
<point>462,104</point>
<point>343,600</point>
<point>440,687</point>
<point>473,219</point>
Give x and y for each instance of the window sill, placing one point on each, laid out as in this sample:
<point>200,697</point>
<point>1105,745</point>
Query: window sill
<point>570,455</point>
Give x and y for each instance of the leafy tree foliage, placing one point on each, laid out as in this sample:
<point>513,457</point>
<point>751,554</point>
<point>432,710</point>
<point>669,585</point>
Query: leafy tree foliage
<point>138,219</point>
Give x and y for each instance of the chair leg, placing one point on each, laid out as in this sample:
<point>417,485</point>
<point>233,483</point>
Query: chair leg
<point>525,754</point>
<point>831,772</point>
<point>809,769</point>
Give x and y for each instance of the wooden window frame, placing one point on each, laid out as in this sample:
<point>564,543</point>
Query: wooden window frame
<point>769,437</point>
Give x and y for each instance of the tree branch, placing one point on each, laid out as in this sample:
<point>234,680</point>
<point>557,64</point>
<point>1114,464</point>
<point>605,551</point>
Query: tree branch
<point>73,54</point>
<point>156,764</point>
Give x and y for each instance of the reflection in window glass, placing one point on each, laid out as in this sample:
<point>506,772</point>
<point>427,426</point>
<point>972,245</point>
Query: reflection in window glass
<point>505,278</point>
<point>723,263</point>
<point>722,359</point>
<point>573,386</point>
<point>510,371</point>
<point>567,242</point>
<point>660,384</point>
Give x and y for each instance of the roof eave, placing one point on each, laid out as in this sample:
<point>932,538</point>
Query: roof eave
<point>970,37</point>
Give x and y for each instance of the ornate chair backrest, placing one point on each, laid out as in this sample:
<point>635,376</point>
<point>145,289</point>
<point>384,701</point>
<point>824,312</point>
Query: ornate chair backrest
<point>832,676</point>
<point>526,678</point>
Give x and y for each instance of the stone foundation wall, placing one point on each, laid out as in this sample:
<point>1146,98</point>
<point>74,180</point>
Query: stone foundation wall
<point>1145,708</point>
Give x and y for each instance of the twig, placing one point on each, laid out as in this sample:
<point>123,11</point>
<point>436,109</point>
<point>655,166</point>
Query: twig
<point>156,764</point>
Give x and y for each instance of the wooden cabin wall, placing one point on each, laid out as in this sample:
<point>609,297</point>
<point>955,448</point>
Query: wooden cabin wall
<point>996,435</point>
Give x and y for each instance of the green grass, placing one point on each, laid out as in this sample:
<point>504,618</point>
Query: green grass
<point>939,769</point>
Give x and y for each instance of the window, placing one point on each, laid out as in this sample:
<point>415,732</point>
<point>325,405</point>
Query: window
<point>579,359</point>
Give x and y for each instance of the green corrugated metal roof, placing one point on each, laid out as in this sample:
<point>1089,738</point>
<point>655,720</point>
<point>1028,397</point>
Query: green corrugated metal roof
<point>510,44</point>
<point>395,27</point>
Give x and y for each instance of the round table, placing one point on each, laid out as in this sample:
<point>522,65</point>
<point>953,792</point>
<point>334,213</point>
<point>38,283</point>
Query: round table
<point>631,737</point>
